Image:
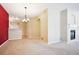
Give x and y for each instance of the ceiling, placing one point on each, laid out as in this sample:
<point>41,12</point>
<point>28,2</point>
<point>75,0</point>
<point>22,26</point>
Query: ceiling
<point>34,9</point>
<point>17,9</point>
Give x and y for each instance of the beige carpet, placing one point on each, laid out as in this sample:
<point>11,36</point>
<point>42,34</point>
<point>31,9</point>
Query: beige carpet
<point>36,47</point>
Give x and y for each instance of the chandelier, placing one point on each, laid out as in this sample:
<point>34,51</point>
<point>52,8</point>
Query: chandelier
<point>26,19</point>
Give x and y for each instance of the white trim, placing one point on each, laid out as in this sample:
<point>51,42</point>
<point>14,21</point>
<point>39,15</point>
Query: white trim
<point>3,43</point>
<point>14,38</point>
<point>53,42</point>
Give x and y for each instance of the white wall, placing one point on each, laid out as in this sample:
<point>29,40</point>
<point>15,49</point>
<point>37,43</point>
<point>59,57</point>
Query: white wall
<point>63,25</point>
<point>77,22</point>
<point>53,26</point>
<point>54,20</point>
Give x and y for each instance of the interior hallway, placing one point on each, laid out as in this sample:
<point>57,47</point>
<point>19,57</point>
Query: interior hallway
<point>36,47</point>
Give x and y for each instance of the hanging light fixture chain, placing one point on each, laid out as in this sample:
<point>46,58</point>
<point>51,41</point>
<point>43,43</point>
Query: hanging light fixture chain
<point>25,13</point>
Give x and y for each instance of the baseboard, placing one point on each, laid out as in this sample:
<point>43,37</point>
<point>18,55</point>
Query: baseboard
<point>15,39</point>
<point>3,43</point>
<point>53,42</point>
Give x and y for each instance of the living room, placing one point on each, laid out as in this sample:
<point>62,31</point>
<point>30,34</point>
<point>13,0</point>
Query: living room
<point>39,28</point>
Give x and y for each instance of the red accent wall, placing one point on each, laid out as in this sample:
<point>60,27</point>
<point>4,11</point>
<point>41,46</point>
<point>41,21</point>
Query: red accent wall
<point>4,19</point>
